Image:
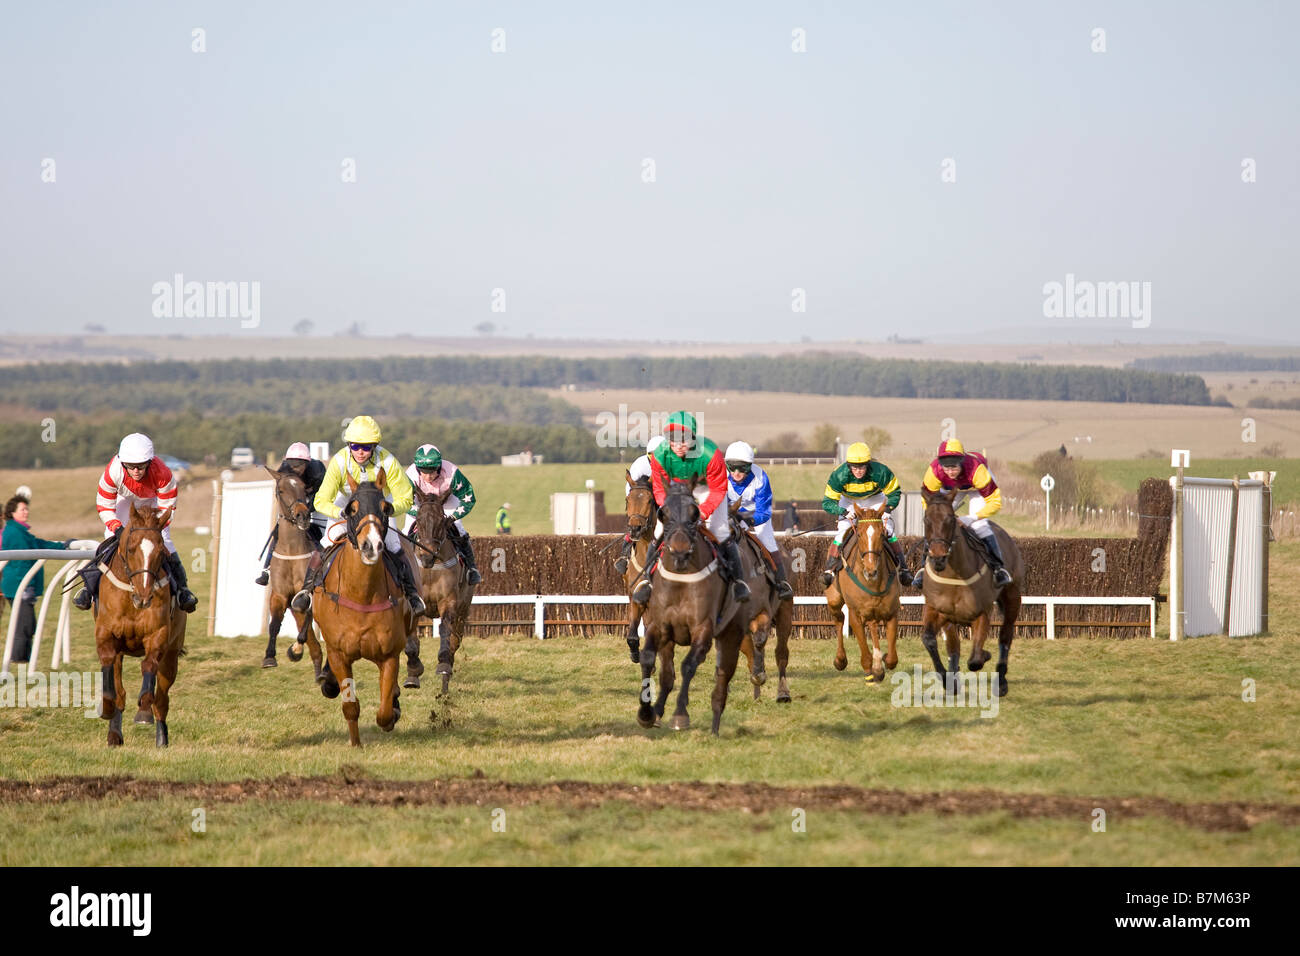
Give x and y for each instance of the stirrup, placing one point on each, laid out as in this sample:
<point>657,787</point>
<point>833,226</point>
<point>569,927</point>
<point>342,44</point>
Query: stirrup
<point>1001,576</point>
<point>641,593</point>
<point>783,591</point>
<point>264,578</point>
<point>82,600</point>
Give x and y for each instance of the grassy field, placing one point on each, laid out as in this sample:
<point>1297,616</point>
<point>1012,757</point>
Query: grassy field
<point>1102,723</point>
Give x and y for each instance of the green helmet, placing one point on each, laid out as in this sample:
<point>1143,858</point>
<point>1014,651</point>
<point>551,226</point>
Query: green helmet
<point>679,422</point>
<point>428,456</point>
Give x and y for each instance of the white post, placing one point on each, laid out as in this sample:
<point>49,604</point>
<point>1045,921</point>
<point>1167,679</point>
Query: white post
<point>13,613</point>
<point>1051,619</point>
<point>51,589</point>
<point>539,607</point>
<point>1047,484</point>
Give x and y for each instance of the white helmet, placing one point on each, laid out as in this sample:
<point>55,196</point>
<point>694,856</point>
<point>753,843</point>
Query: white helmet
<point>739,451</point>
<point>298,450</point>
<point>135,448</point>
<point>653,444</point>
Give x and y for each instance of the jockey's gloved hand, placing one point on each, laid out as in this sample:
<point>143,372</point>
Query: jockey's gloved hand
<point>843,513</point>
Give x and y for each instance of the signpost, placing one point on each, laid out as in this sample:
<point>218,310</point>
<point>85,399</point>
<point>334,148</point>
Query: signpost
<point>1047,484</point>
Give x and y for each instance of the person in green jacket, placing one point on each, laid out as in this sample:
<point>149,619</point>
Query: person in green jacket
<point>17,536</point>
<point>868,484</point>
<point>503,519</point>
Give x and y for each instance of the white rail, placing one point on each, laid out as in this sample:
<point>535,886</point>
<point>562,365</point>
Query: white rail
<point>76,558</point>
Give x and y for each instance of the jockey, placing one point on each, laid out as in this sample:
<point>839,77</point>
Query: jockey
<point>640,469</point>
<point>686,456</point>
<point>135,476</point>
<point>362,458</point>
<point>434,475</point>
<point>298,461</point>
<point>968,472</point>
<point>868,484</point>
<point>749,484</point>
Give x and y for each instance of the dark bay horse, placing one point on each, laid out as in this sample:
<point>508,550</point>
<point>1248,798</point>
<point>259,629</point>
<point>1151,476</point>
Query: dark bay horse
<point>361,610</point>
<point>767,612</point>
<point>641,529</point>
<point>868,585</point>
<point>293,546</point>
<point>137,615</point>
<point>444,586</point>
<point>690,605</point>
<point>959,589</point>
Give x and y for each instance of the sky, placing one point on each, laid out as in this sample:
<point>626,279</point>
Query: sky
<point>820,170</point>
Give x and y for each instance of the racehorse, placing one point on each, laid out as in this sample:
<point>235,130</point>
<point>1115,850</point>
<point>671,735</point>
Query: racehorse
<point>640,528</point>
<point>137,614</point>
<point>691,605</point>
<point>293,545</point>
<point>768,612</point>
<point>360,609</point>
<point>959,589</point>
<point>444,586</point>
<point>868,585</point>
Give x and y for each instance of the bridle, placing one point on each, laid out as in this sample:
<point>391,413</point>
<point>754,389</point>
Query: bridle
<point>298,502</point>
<point>675,524</point>
<point>434,548</point>
<point>637,529</point>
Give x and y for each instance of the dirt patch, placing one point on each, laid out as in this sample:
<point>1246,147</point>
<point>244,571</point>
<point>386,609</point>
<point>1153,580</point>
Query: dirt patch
<point>352,786</point>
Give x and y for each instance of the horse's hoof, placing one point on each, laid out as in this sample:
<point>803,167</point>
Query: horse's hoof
<point>1002,685</point>
<point>411,681</point>
<point>114,739</point>
<point>635,654</point>
<point>160,734</point>
<point>271,661</point>
<point>783,698</point>
<point>329,688</point>
<point>144,716</point>
<point>415,669</point>
<point>841,664</point>
<point>294,653</point>
<point>680,722</point>
<point>645,716</point>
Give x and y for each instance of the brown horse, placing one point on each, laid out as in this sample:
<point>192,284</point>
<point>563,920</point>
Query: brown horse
<point>690,605</point>
<point>959,589</point>
<point>868,585</point>
<point>361,610</point>
<point>641,529</point>
<point>137,615</point>
<point>768,613</point>
<point>293,546</point>
<point>444,586</point>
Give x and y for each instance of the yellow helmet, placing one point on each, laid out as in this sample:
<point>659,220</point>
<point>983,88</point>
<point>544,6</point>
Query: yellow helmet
<point>859,453</point>
<point>364,430</point>
<point>950,448</point>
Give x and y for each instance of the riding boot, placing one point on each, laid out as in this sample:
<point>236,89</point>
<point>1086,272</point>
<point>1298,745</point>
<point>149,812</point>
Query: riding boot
<point>1001,576</point>
<point>641,592</point>
<point>401,569</point>
<point>896,549</point>
<point>265,577</point>
<point>184,597</point>
<point>783,590</point>
<point>731,557</point>
<point>302,600</point>
<point>91,574</point>
<point>620,565</point>
<point>466,552</point>
<point>833,564</point>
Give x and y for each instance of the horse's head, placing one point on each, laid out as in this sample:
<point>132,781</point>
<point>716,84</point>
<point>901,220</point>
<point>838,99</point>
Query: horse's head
<point>291,494</point>
<point>432,525</point>
<point>680,515</point>
<point>870,528</point>
<point>940,525</point>
<point>640,507</point>
<point>367,513</point>
<point>143,550</point>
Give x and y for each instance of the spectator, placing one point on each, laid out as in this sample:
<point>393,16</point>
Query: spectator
<point>792,518</point>
<point>17,536</point>
<point>503,519</point>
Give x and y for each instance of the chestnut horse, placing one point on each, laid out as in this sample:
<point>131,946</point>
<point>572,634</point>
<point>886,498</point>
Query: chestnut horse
<point>641,529</point>
<point>690,605</point>
<point>137,615</point>
<point>959,589</point>
<point>768,612</point>
<point>293,546</point>
<point>444,586</point>
<point>868,585</point>
<point>360,609</point>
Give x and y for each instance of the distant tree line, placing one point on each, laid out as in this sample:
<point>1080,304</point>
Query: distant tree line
<point>190,436</point>
<point>809,373</point>
<point>1262,401</point>
<point>272,396</point>
<point>1217,362</point>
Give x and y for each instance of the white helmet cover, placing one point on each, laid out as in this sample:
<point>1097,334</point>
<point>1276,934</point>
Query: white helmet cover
<point>654,443</point>
<point>135,448</point>
<point>298,450</point>
<point>739,451</point>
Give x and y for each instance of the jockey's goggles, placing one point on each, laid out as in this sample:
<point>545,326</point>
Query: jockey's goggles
<point>362,446</point>
<point>950,461</point>
<point>137,465</point>
<point>427,471</point>
<point>741,466</point>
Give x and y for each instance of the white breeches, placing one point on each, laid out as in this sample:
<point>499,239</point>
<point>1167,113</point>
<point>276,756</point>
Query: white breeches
<point>877,500</point>
<point>979,525</point>
<point>764,533</point>
<point>123,513</point>
<point>338,529</point>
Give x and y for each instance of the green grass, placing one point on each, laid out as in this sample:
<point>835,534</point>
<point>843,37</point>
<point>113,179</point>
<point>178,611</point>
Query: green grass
<point>1129,474</point>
